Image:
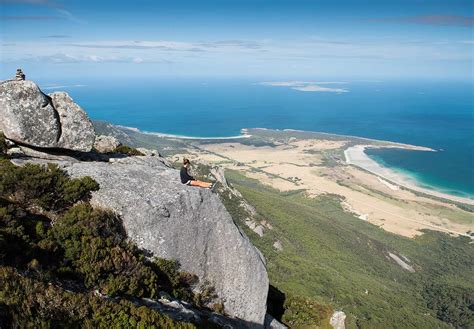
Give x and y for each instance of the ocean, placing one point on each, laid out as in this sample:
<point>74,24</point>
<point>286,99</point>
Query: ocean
<point>435,114</point>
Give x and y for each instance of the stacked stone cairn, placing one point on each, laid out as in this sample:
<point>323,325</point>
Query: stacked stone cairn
<point>20,75</point>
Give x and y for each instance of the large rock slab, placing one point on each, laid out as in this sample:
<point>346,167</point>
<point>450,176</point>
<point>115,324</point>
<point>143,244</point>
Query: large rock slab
<point>27,115</point>
<point>185,223</point>
<point>77,132</point>
<point>31,118</point>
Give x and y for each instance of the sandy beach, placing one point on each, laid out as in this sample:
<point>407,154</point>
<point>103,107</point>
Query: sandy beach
<point>331,164</point>
<point>356,156</point>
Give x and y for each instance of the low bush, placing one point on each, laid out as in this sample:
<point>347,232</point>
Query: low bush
<point>31,304</point>
<point>452,303</point>
<point>127,150</point>
<point>3,145</point>
<point>304,311</point>
<point>45,186</point>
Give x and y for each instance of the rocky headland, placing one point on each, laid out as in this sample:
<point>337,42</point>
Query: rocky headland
<point>162,216</point>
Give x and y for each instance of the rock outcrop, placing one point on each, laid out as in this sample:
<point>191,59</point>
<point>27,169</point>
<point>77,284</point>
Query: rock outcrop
<point>77,132</point>
<point>106,144</point>
<point>27,115</point>
<point>272,323</point>
<point>337,320</point>
<point>30,117</point>
<point>185,223</point>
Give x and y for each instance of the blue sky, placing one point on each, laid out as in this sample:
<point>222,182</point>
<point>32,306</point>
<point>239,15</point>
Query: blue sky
<point>287,39</point>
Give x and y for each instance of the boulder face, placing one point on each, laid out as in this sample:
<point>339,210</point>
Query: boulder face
<point>189,224</point>
<point>30,117</point>
<point>27,115</point>
<point>77,132</point>
<point>106,144</point>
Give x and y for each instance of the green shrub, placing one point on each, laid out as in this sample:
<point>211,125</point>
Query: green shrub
<point>45,186</point>
<point>26,303</point>
<point>304,311</point>
<point>2,246</point>
<point>452,303</point>
<point>127,150</point>
<point>3,145</point>
<point>178,283</point>
<point>207,297</point>
<point>95,248</point>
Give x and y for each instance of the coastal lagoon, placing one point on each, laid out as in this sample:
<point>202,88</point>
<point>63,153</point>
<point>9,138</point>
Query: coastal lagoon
<point>433,114</point>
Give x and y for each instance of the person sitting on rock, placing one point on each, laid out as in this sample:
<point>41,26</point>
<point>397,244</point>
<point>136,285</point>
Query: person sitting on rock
<point>188,179</point>
<point>20,76</point>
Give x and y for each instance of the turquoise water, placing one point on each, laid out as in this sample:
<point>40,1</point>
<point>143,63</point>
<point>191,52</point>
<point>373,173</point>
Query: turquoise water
<point>426,113</point>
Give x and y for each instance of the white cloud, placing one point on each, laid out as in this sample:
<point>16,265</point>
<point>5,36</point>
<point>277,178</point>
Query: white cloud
<point>165,45</point>
<point>298,57</point>
<point>69,16</point>
<point>137,60</point>
<point>62,58</point>
<point>59,87</point>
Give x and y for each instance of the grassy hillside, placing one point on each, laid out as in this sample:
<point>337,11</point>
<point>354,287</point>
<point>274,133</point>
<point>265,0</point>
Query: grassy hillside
<point>336,259</point>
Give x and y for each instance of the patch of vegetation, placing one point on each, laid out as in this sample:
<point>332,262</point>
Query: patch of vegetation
<point>29,303</point>
<point>56,250</point>
<point>47,187</point>
<point>3,145</point>
<point>334,258</point>
<point>301,311</point>
<point>127,150</point>
<point>452,301</point>
<point>332,158</point>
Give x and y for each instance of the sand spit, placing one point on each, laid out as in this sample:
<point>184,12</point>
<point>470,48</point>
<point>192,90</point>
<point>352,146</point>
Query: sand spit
<point>356,156</point>
<point>163,135</point>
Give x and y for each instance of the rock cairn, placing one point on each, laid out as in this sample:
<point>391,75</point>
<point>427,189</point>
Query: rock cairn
<point>20,76</point>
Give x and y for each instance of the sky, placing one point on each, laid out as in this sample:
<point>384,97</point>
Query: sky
<point>264,39</point>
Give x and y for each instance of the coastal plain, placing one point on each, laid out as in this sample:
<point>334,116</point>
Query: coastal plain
<point>317,164</point>
<point>321,164</point>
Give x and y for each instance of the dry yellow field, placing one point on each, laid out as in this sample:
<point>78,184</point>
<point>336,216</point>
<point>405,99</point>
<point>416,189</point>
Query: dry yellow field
<point>299,164</point>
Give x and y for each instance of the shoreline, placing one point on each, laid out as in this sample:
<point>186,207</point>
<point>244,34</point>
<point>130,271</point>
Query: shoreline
<point>388,144</point>
<point>245,134</point>
<point>158,134</point>
<point>356,156</point>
